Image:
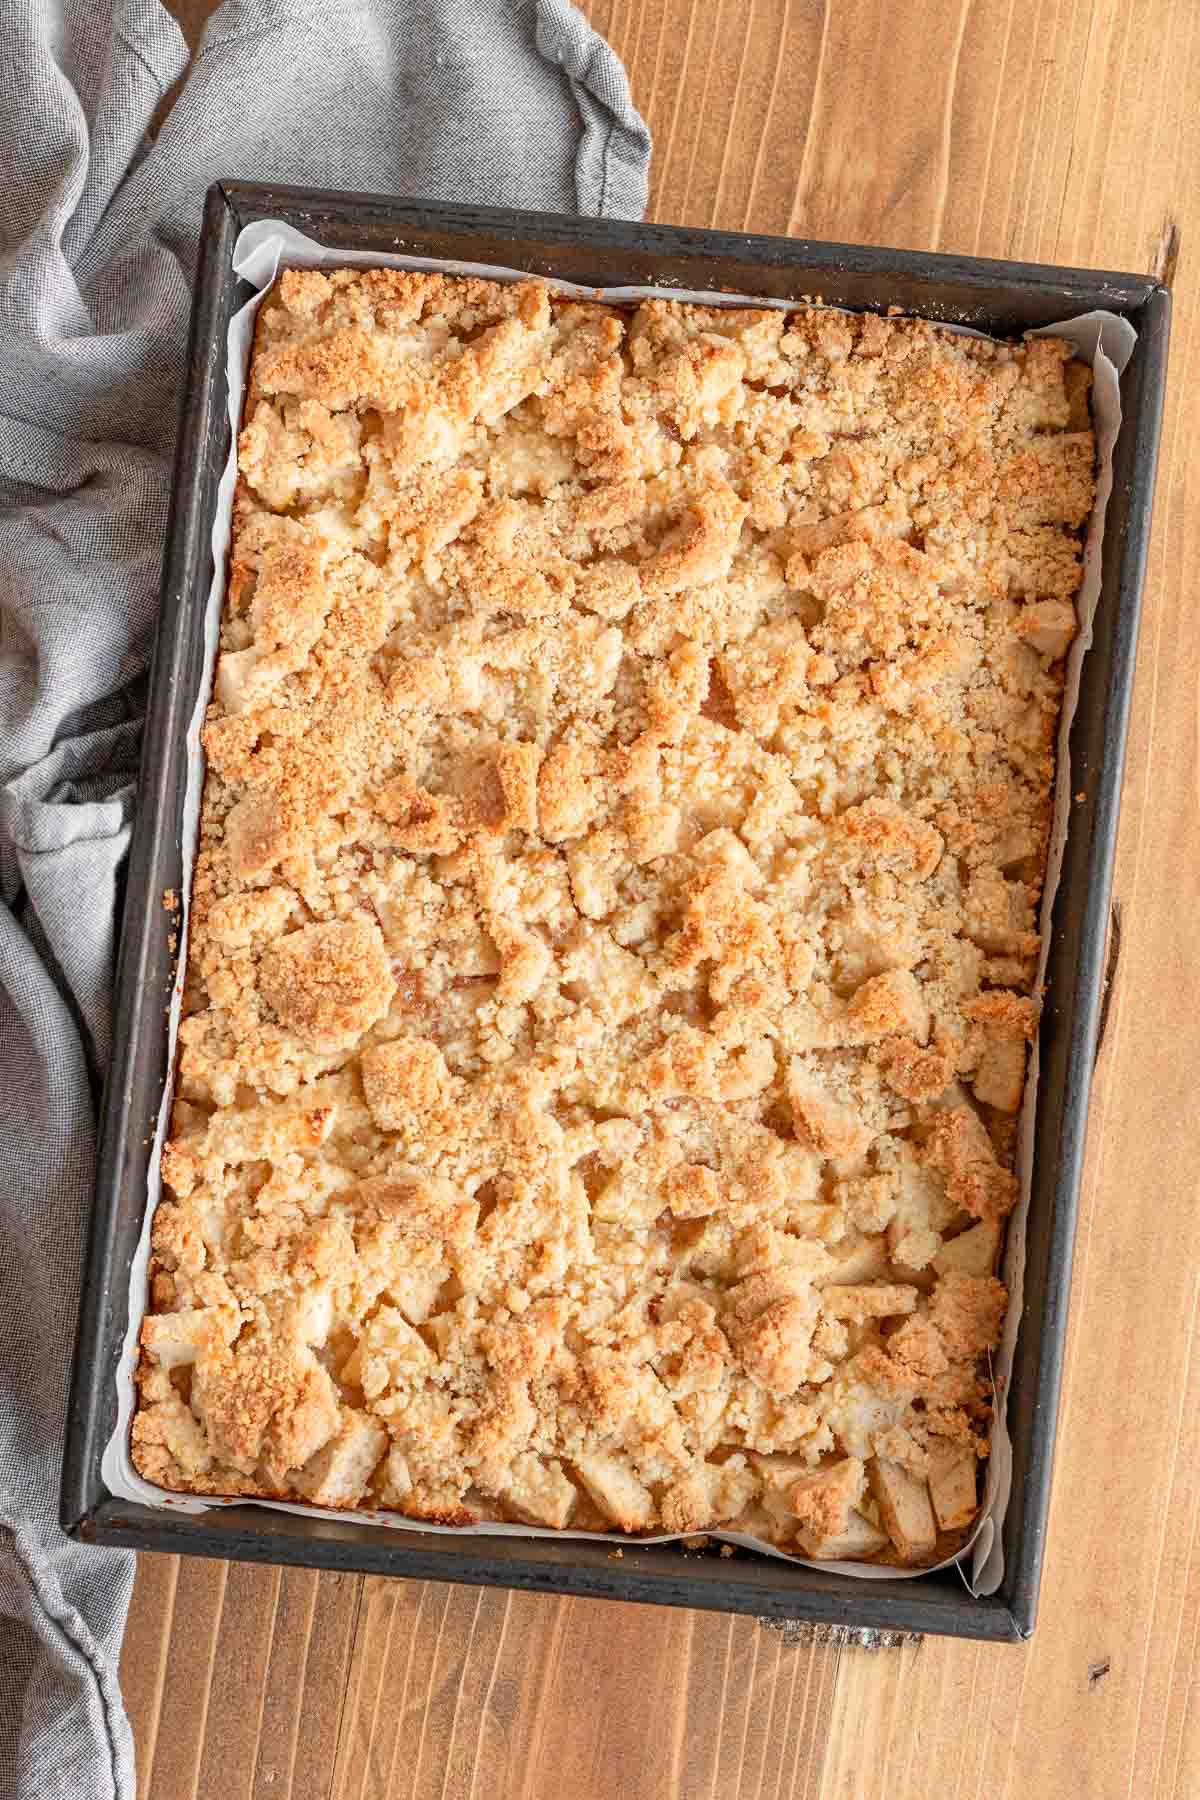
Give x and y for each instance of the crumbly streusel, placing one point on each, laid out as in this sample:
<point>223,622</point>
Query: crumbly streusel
<point>615,919</point>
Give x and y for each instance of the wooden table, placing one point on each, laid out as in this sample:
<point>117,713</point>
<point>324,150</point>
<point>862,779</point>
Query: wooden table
<point>1055,130</point>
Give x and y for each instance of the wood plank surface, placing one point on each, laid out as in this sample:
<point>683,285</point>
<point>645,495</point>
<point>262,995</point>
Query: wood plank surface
<point>1056,130</point>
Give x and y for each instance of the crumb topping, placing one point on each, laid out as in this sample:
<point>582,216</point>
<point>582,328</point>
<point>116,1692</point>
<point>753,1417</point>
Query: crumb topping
<point>615,916</point>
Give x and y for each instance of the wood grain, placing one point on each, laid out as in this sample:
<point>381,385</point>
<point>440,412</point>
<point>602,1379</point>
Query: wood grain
<point>1057,130</point>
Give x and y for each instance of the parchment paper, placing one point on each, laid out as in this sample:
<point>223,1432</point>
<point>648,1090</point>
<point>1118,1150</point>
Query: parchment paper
<point>1101,339</point>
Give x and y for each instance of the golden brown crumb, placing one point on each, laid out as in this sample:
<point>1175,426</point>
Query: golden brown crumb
<point>961,1151</point>
<point>615,914</point>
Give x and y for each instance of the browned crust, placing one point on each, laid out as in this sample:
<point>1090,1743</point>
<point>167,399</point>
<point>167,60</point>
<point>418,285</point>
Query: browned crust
<point>614,921</point>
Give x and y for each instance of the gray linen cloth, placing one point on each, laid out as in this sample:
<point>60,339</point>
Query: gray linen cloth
<point>513,102</point>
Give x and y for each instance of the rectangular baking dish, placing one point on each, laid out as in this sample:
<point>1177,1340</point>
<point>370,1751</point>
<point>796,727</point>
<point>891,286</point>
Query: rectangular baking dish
<point>998,297</point>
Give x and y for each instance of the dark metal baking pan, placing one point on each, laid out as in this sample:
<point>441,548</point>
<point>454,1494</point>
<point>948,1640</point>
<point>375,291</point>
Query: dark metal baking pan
<point>998,297</point>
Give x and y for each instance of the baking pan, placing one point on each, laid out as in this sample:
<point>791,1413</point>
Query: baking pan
<point>1001,298</point>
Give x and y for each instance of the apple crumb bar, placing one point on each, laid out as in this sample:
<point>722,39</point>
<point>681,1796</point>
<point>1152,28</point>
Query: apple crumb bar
<point>615,919</point>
